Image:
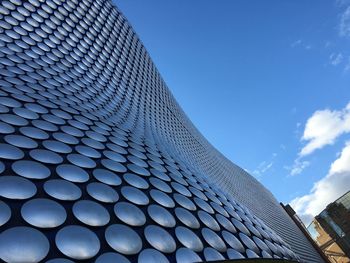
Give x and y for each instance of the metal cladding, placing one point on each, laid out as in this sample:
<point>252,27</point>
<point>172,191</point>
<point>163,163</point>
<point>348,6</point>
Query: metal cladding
<point>99,163</point>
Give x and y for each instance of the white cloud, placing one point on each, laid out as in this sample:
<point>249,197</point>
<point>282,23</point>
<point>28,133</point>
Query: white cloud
<point>341,3</point>
<point>262,168</point>
<point>327,44</point>
<point>344,27</point>
<point>347,66</point>
<point>296,43</point>
<point>324,127</point>
<point>336,59</point>
<point>267,167</point>
<point>326,190</point>
<point>300,44</point>
<point>298,167</point>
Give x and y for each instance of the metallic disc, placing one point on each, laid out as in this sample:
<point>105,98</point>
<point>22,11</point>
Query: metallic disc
<point>208,220</point>
<point>87,151</point>
<point>5,213</point>
<point>91,213</point>
<point>204,205</point>
<point>213,239</point>
<point>81,160</point>
<point>233,254</point>
<point>261,244</point>
<point>15,187</point>
<point>62,190</point>
<point>23,244</point>
<point>34,133</point>
<point>138,161</point>
<point>161,216</point>
<point>160,239</point>
<point>181,189</point>
<point>57,146</point>
<point>188,238</point>
<point>111,257</point>
<point>2,167</point>
<point>160,185</point>
<point>129,214</point>
<point>123,239</point>
<point>265,254</point>
<point>225,223</point>
<point>233,241</point>
<point>138,170</point>
<point>77,242</point>
<point>253,230</point>
<point>6,128</point>
<point>43,213</point>
<point>251,254</point>
<point>151,255</point>
<point>72,173</point>
<point>59,260</point>
<point>31,169</point>
<point>186,255</point>
<point>10,152</point>
<point>46,156</point>
<point>162,198</point>
<point>113,166</point>
<point>239,225</point>
<point>134,195</point>
<point>218,208</point>
<point>21,141</point>
<point>210,254</point>
<point>107,177</point>
<point>114,156</point>
<point>187,218</point>
<point>136,181</point>
<point>102,192</point>
<point>272,247</point>
<point>249,242</point>
<point>185,202</point>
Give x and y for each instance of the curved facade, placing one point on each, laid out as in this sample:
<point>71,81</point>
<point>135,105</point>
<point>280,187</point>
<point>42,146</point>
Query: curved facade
<point>98,163</point>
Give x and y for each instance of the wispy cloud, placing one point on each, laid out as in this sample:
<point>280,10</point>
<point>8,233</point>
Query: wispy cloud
<point>264,166</point>
<point>327,44</point>
<point>301,44</point>
<point>326,190</point>
<point>341,3</point>
<point>344,26</point>
<point>296,43</point>
<point>324,127</point>
<point>347,66</point>
<point>297,167</point>
<point>336,59</point>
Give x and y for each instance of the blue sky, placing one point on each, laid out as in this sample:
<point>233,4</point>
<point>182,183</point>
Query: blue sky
<point>266,82</point>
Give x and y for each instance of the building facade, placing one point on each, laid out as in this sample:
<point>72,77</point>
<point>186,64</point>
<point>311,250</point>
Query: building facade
<point>331,230</point>
<point>98,162</point>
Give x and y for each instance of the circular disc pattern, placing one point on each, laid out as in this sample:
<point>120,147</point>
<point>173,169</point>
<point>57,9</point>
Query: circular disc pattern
<point>91,213</point>
<point>129,214</point>
<point>160,239</point>
<point>43,213</point>
<point>77,242</point>
<point>123,239</point>
<point>30,169</point>
<point>97,161</point>
<point>23,244</point>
